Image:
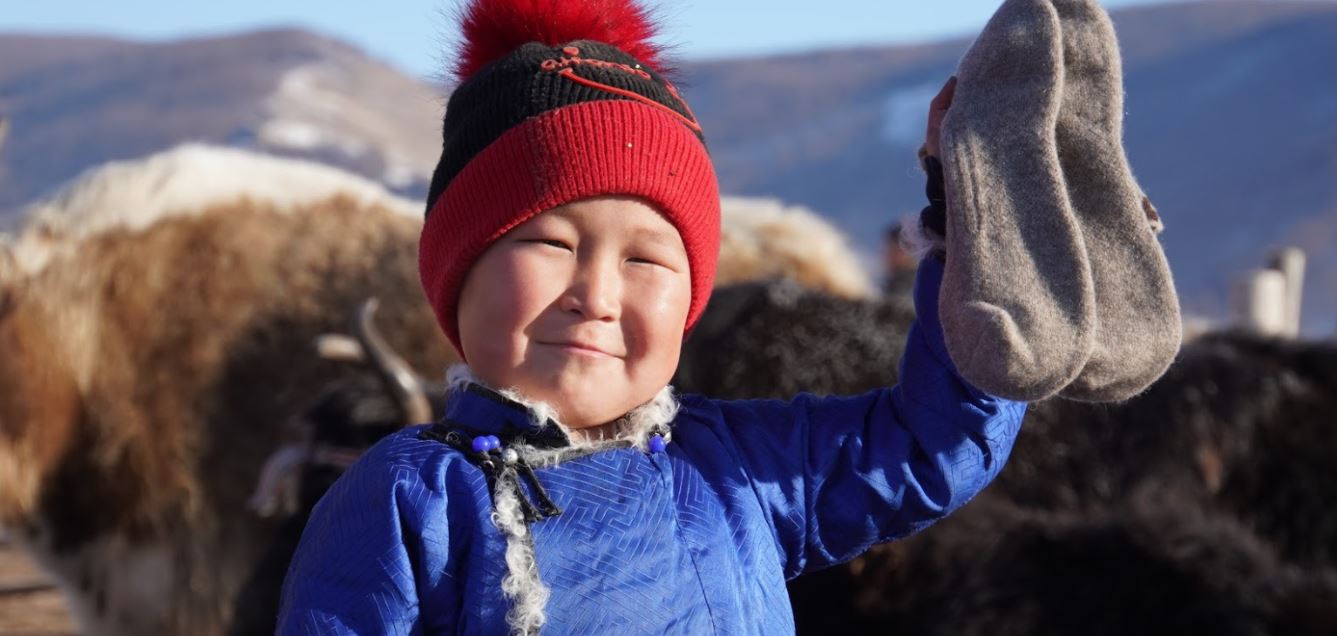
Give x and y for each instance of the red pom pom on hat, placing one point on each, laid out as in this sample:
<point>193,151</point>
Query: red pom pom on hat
<point>493,28</point>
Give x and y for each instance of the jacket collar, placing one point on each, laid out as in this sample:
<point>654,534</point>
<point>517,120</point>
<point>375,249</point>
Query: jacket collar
<point>479,410</point>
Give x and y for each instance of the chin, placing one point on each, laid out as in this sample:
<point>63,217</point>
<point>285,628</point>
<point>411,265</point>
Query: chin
<point>568,392</point>
<point>576,410</point>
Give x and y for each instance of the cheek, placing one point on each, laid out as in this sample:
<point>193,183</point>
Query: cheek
<point>499,302</point>
<point>660,316</point>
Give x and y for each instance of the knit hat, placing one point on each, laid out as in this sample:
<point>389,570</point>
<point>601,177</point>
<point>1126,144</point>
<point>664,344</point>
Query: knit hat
<point>557,102</point>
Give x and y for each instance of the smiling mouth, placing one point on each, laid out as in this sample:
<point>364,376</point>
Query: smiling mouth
<point>576,348</point>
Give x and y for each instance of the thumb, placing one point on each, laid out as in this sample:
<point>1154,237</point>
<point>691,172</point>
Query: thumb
<point>943,100</point>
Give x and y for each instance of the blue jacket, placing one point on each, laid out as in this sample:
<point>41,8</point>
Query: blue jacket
<point>698,539</point>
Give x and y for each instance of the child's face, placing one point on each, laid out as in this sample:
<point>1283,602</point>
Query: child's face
<point>582,306</point>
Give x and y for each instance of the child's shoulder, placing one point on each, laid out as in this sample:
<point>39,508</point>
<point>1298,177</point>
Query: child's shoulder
<point>720,418</point>
<point>409,445</point>
<point>707,410</point>
<point>697,410</point>
<point>407,458</point>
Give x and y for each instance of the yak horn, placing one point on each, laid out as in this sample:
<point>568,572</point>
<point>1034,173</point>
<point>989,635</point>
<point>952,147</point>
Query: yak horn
<point>339,348</point>
<point>395,372</point>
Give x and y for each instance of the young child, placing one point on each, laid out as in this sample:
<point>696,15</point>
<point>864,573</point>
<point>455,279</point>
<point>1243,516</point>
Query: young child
<point>570,244</point>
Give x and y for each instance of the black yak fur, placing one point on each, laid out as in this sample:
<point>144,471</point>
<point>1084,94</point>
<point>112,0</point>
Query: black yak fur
<point>1162,566</point>
<point>774,339</point>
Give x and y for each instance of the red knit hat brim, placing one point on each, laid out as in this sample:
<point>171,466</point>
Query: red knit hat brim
<point>605,147</point>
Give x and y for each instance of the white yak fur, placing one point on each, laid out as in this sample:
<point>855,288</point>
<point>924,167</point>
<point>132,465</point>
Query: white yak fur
<point>188,179</point>
<point>763,238</point>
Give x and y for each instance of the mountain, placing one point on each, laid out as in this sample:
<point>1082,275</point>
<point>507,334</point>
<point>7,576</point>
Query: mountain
<point>76,102</point>
<point>1231,124</point>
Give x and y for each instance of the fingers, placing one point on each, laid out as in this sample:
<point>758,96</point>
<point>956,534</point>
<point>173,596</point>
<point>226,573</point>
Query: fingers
<point>936,112</point>
<point>944,98</point>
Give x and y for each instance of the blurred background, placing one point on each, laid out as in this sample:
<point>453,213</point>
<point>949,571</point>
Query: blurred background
<point>812,109</point>
<point>1230,106</point>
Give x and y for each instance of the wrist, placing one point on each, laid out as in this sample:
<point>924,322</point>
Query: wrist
<point>933,219</point>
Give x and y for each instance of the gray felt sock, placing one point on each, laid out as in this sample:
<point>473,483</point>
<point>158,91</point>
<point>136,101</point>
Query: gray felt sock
<point>1017,299</point>
<point>1138,323</point>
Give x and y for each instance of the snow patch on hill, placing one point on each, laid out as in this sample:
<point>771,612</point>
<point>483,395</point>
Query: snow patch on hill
<point>904,112</point>
<point>325,108</point>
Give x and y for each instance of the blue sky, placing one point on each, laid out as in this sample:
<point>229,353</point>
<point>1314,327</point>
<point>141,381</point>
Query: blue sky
<point>412,34</point>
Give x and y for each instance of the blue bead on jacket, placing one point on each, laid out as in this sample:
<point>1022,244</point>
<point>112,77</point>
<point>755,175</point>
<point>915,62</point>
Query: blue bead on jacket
<point>697,539</point>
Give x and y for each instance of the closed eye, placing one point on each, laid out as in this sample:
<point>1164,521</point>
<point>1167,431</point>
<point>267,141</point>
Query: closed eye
<point>549,242</point>
<point>667,264</point>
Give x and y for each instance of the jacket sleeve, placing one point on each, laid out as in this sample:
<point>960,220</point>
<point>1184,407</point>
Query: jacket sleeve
<point>837,475</point>
<point>375,550</point>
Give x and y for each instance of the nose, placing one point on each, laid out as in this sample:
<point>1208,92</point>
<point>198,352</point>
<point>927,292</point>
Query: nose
<point>595,291</point>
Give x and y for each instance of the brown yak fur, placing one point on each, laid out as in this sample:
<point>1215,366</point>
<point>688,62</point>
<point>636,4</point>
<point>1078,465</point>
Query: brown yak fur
<point>146,376</point>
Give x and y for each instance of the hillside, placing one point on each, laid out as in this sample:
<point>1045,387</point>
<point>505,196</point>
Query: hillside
<point>1231,124</point>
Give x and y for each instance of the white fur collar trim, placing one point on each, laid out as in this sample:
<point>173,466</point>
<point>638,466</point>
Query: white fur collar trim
<point>636,427</point>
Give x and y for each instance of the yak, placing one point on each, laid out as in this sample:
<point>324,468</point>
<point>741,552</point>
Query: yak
<point>147,374</point>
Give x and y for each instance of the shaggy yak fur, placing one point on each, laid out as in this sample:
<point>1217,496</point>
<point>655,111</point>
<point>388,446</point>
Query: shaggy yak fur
<point>146,377</point>
<point>773,339</point>
<point>762,239</point>
<point>1152,566</point>
<point>1245,422</point>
